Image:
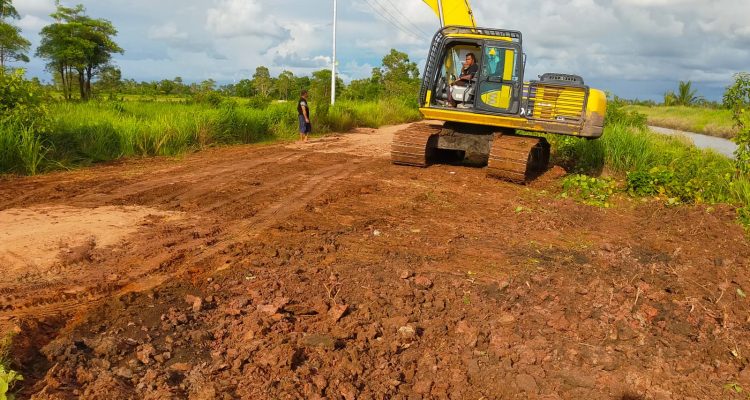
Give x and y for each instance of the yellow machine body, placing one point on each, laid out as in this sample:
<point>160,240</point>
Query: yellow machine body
<point>557,103</point>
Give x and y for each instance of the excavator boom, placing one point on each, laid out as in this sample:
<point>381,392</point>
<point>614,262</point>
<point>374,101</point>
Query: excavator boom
<point>454,12</point>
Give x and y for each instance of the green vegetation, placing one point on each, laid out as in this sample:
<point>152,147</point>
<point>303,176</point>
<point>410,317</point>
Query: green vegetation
<point>685,95</point>
<point>590,190</point>
<point>8,377</point>
<point>77,47</point>
<point>23,122</point>
<point>708,121</point>
<point>653,166</point>
<point>41,131</point>
<point>737,99</point>
<point>84,133</point>
<point>13,46</point>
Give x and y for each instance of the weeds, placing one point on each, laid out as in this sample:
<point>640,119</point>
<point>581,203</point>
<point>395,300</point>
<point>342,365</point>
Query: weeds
<point>8,377</point>
<point>590,190</point>
<point>30,150</point>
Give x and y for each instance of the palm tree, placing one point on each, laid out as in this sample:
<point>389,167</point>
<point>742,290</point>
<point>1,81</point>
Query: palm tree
<point>669,98</point>
<point>685,95</point>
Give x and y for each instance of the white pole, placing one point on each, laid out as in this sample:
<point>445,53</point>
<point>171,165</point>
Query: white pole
<point>333,65</point>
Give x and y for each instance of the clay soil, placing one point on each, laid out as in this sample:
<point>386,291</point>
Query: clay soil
<point>323,271</point>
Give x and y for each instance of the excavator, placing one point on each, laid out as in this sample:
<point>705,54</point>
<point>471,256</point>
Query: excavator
<point>480,119</point>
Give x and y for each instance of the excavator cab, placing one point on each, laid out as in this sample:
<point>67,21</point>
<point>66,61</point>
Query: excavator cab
<point>496,88</point>
<point>481,117</point>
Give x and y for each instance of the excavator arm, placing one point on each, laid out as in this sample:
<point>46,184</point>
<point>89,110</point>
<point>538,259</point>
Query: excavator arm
<point>453,12</point>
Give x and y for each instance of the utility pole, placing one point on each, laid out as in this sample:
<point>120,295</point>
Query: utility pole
<point>333,64</point>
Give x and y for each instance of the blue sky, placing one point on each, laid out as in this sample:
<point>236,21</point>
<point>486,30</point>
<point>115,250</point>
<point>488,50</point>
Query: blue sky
<point>633,48</point>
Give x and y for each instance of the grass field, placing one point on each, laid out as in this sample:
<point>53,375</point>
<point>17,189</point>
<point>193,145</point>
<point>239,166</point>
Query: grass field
<point>85,133</point>
<point>713,122</point>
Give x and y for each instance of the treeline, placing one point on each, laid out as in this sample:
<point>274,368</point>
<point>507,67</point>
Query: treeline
<point>685,95</point>
<point>396,77</point>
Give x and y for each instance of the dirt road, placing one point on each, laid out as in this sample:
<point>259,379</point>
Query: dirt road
<point>323,271</point>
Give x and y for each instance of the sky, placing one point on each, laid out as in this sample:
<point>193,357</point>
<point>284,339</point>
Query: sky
<point>632,48</point>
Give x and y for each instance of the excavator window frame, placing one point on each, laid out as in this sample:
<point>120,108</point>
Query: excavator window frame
<point>480,43</point>
<point>455,35</point>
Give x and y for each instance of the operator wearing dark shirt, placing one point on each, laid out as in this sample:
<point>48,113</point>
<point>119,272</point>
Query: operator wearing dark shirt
<point>468,72</point>
<point>470,69</point>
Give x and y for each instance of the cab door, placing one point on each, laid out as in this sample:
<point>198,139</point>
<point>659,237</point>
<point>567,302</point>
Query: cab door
<point>501,78</point>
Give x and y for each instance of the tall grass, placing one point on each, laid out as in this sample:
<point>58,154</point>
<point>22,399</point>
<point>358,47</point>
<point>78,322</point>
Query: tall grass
<point>652,164</point>
<point>85,133</point>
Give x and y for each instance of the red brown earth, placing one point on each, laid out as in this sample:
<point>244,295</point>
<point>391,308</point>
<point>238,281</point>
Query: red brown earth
<point>323,271</point>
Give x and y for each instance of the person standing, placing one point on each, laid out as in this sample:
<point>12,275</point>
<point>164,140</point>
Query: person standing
<point>303,112</point>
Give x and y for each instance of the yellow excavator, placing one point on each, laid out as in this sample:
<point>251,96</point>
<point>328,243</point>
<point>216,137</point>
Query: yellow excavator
<point>480,116</point>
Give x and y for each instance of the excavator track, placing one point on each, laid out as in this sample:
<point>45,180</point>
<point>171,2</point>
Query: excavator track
<point>415,145</point>
<point>518,159</point>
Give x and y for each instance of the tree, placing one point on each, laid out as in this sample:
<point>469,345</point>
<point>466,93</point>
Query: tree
<point>737,99</point>
<point>166,87</point>
<point>244,88</point>
<point>685,95</point>
<point>110,79</point>
<point>400,77</point>
<point>366,89</point>
<point>670,98</point>
<point>77,46</point>
<point>320,90</point>
<point>7,10</point>
<point>285,84</point>
<point>262,81</point>
<point>208,85</point>
<point>13,46</point>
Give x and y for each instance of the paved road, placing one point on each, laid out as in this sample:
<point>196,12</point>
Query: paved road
<point>720,145</point>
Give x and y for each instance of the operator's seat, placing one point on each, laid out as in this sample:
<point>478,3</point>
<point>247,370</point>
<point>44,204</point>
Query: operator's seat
<point>464,95</point>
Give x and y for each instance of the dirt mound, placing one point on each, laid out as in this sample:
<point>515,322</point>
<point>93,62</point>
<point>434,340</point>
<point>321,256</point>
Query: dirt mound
<point>323,274</point>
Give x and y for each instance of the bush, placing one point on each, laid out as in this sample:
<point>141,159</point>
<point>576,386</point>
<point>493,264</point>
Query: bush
<point>737,99</point>
<point>24,119</point>
<point>259,102</point>
<point>209,97</point>
<point>22,102</point>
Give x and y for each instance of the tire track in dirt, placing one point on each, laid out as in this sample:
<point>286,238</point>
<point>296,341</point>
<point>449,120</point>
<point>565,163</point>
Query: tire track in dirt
<point>225,198</point>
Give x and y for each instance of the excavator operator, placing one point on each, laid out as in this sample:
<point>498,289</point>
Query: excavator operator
<point>469,70</point>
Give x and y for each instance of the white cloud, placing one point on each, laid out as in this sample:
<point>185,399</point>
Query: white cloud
<point>166,31</point>
<point>36,7</point>
<point>231,18</point>
<point>31,23</point>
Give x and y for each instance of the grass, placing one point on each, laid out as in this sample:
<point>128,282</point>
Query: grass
<point>648,165</point>
<point>708,121</point>
<point>86,133</point>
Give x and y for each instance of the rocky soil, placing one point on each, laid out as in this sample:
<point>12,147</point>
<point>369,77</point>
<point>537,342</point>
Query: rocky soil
<point>323,271</point>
